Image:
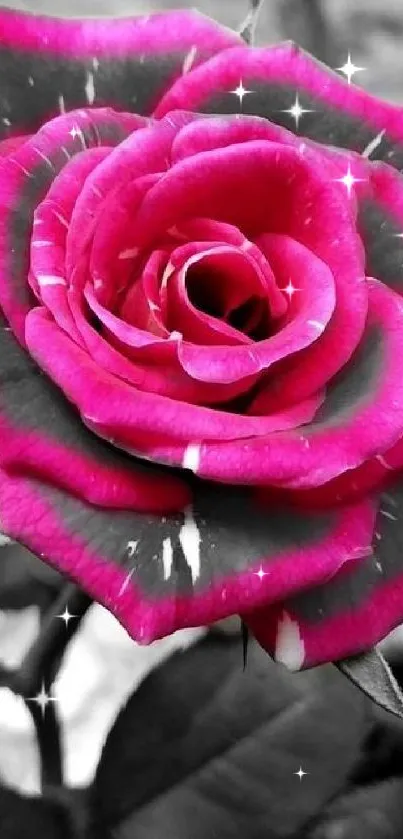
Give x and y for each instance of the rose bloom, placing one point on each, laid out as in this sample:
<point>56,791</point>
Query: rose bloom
<point>201,260</point>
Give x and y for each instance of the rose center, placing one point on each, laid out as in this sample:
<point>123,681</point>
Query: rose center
<point>226,285</point>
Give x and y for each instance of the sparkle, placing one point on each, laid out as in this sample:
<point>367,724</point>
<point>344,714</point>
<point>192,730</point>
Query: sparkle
<point>42,699</point>
<point>300,773</point>
<point>66,616</point>
<point>296,111</point>
<point>349,69</point>
<point>74,132</point>
<point>31,81</point>
<point>348,180</point>
<point>260,573</point>
<point>6,121</point>
<point>290,289</point>
<point>240,92</point>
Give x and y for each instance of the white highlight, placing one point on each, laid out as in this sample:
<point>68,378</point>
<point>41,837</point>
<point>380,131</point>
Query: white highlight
<point>62,104</point>
<point>189,537</point>
<point>167,273</point>
<point>388,515</point>
<point>61,218</point>
<point>44,157</point>
<point>189,59</point>
<point>129,253</point>
<point>125,583</point>
<point>167,557</point>
<point>90,89</point>
<point>316,324</point>
<point>4,540</point>
<point>191,457</point>
<point>373,144</point>
<point>50,279</point>
<point>132,547</point>
<point>41,243</point>
<point>383,461</point>
<point>290,648</point>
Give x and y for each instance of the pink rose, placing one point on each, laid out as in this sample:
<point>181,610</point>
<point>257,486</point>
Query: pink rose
<point>214,288</point>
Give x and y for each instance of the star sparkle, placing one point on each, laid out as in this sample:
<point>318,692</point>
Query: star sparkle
<point>349,69</point>
<point>241,92</point>
<point>348,180</point>
<point>296,111</point>
<point>76,131</point>
<point>42,699</point>
<point>260,573</point>
<point>300,773</point>
<point>290,289</point>
<point>66,616</point>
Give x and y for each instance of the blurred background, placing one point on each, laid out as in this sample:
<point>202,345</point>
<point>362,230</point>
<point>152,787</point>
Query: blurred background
<point>103,666</point>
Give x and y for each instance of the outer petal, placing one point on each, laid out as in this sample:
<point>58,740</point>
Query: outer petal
<point>41,436</point>
<point>159,574</point>
<point>50,65</point>
<point>349,613</point>
<point>25,177</point>
<point>335,113</point>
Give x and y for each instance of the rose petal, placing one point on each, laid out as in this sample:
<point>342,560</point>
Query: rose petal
<point>51,65</point>
<point>277,77</point>
<point>43,437</point>
<point>361,417</point>
<point>25,177</point>
<point>351,612</point>
<point>260,186</point>
<point>160,574</point>
<point>106,402</point>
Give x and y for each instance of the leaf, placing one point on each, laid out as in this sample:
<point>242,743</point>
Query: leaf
<point>24,579</point>
<point>372,674</point>
<point>205,749</point>
<point>23,817</point>
<point>374,812</point>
